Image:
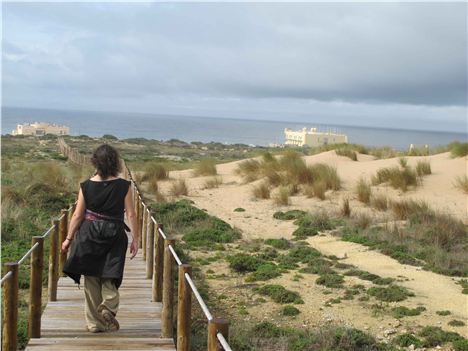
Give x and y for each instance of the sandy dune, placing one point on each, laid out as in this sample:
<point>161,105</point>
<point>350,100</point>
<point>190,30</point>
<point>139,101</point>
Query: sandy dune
<point>433,291</point>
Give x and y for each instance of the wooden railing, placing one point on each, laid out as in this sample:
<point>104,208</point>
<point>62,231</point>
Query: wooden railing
<point>10,281</point>
<point>160,256</point>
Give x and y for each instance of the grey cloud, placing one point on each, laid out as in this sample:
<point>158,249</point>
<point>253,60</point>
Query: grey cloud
<point>387,53</point>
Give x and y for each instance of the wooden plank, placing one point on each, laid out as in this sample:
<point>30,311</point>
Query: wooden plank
<point>64,328</point>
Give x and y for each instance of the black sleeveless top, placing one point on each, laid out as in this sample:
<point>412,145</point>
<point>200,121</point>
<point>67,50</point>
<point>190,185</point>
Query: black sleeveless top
<point>106,197</point>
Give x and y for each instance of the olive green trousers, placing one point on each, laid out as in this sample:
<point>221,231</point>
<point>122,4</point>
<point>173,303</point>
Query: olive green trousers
<point>100,293</point>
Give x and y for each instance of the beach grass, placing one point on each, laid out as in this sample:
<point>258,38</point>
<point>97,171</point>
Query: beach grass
<point>461,182</point>
<point>363,191</point>
<point>205,167</point>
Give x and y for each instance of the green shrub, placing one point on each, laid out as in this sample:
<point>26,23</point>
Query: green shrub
<point>460,345</point>
<point>280,294</point>
<point>456,323</point>
<point>286,216</point>
<point>207,237</point>
<point>281,244</point>
<point>264,271</point>
<point>311,225</point>
<point>443,313</point>
<point>290,310</point>
<point>392,293</point>
<point>396,177</point>
<point>242,263</point>
<point>303,254</point>
<point>402,311</point>
<point>330,280</point>
<point>408,339</point>
<point>239,209</point>
<point>434,336</point>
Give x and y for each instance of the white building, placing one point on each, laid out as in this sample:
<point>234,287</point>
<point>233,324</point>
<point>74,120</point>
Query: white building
<point>40,128</point>
<point>312,137</point>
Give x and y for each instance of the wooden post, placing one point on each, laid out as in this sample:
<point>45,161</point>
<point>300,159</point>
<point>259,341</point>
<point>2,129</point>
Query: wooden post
<point>53,261</point>
<point>168,290</point>
<point>144,222</point>
<point>63,236</point>
<point>214,326</point>
<point>149,248</point>
<point>35,288</point>
<point>184,307</point>
<point>158,265</point>
<point>140,220</point>
<point>10,308</point>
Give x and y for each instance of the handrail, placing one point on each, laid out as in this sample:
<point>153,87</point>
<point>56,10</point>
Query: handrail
<point>5,277</point>
<point>162,233</point>
<point>46,234</point>
<point>27,254</point>
<point>176,257</point>
<point>223,342</point>
<point>204,307</point>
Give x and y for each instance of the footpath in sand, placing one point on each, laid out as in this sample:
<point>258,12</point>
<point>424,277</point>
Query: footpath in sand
<point>433,291</point>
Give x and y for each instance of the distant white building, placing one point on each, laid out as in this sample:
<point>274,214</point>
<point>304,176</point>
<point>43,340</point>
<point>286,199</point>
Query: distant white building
<point>40,128</point>
<point>312,137</point>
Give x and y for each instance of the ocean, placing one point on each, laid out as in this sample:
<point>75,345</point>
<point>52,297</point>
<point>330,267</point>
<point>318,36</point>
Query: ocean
<point>205,129</point>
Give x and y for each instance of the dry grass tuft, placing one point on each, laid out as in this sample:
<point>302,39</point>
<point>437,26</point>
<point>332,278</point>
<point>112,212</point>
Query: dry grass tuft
<point>282,196</point>
<point>154,171</point>
<point>347,153</point>
<point>423,167</point>
<point>461,183</point>
<point>319,188</point>
<point>261,191</point>
<point>403,161</point>
<point>327,174</point>
<point>405,208</point>
<point>214,182</point>
<point>380,202</point>
<point>206,167</point>
<point>179,188</point>
<point>362,220</point>
<point>396,177</point>
<point>345,208</point>
<point>153,186</point>
<point>250,170</point>
<point>363,191</point>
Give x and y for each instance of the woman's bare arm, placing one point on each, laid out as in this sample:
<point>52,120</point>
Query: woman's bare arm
<point>75,222</point>
<point>133,223</point>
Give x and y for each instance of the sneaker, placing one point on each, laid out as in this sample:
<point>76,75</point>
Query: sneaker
<point>94,330</point>
<point>111,322</point>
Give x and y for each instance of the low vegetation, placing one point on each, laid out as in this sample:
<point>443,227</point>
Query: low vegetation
<point>423,168</point>
<point>179,188</point>
<point>347,153</point>
<point>461,182</point>
<point>363,191</point>
<point>281,197</point>
<point>154,172</point>
<point>213,182</point>
<point>206,167</point>
<point>280,294</point>
<point>402,311</point>
<point>261,191</point>
<point>458,149</point>
<point>398,178</point>
<point>392,293</point>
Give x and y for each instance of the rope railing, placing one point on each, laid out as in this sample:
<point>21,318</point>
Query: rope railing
<point>10,281</point>
<point>27,254</point>
<point>202,303</point>
<point>159,252</point>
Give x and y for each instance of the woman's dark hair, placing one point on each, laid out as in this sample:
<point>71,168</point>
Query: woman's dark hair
<point>106,159</point>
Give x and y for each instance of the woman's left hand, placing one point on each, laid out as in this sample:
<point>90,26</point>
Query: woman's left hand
<point>66,245</point>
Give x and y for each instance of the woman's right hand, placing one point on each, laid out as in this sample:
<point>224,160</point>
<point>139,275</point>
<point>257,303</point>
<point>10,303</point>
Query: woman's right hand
<point>134,248</point>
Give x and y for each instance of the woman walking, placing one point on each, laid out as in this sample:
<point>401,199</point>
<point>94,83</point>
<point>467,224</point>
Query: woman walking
<point>98,240</point>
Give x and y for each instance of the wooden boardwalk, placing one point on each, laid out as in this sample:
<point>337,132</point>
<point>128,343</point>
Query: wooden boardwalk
<point>64,328</point>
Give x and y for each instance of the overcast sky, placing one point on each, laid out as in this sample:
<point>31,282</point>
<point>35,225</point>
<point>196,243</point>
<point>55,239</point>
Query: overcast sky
<point>400,65</point>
